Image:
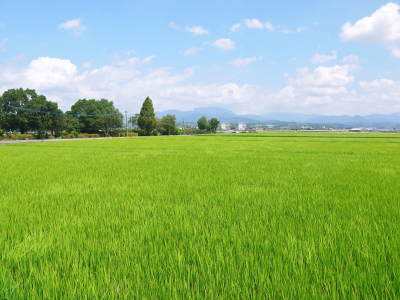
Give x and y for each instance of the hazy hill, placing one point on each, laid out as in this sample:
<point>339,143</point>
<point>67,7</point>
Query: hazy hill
<point>225,115</point>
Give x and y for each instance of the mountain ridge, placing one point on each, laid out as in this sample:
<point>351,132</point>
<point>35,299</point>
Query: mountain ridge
<point>226,115</point>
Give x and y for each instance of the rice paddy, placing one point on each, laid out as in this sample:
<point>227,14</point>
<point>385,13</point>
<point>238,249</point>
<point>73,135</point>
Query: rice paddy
<point>272,215</point>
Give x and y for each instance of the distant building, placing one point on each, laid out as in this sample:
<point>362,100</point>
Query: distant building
<point>356,130</point>
<point>242,126</point>
<point>225,126</point>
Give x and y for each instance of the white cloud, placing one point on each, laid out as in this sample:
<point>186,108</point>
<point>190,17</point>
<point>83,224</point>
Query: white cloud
<point>382,27</point>
<point>227,94</point>
<point>126,83</point>
<point>257,24</point>
<point>197,30</point>
<point>224,44</point>
<point>330,90</point>
<point>319,90</point>
<point>253,24</point>
<point>46,72</point>
<point>245,61</point>
<point>383,95</point>
<point>74,26</point>
<point>192,51</point>
<point>323,58</point>
<point>235,27</point>
<point>384,89</point>
<point>338,75</point>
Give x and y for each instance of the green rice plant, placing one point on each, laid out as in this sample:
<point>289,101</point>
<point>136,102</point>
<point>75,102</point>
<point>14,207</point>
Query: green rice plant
<point>271,215</point>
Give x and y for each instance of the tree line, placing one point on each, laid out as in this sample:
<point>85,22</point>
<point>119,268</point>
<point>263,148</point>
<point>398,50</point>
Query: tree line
<point>25,111</point>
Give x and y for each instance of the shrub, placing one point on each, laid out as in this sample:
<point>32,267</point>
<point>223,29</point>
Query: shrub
<point>74,134</point>
<point>89,135</point>
<point>194,131</point>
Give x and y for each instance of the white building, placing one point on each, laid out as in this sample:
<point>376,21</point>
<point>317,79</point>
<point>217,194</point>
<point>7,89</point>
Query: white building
<point>225,126</point>
<point>242,126</point>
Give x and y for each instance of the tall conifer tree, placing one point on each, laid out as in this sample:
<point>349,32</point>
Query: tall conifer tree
<point>147,119</point>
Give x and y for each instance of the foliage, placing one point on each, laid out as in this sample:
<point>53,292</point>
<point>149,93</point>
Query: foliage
<point>24,110</point>
<point>16,136</point>
<point>213,125</point>
<point>278,215</point>
<point>193,131</point>
<point>147,119</point>
<point>97,116</point>
<point>202,123</point>
<point>167,125</point>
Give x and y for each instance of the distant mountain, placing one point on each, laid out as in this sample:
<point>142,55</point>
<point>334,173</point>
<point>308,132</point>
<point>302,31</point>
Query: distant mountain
<point>222,114</point>
<point>225,115</point>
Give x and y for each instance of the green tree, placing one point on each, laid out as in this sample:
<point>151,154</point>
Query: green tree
<point>71,123</point>
<point>25,110</point>
<point>213,125</point>
<point>167,125</point>
<point>97,116</point>
<point>43,116</point>
<point>147,119</point>
<point>13,113</point>
<point>202,123</point>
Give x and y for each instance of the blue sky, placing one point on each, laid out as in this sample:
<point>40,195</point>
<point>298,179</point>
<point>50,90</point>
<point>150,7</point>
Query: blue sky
<point>329,57</point>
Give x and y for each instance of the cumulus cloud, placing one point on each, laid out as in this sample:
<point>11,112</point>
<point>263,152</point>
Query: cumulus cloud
<point>323,58</point>
<point>382,95</point>
<point>322,89</point>
<point>46,72</point>
<point>253,24</point>
<point>257,24</point>
<point>382,27</point>
<point>336,76</point>
<point>224,44</point>
<point>73,26</point>
<point>245,61</point>
<point>126,82</point>
<point>384,89</point>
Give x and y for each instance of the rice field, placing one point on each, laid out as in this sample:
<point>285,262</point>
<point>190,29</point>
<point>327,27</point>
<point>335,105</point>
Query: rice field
<point>274,215</point>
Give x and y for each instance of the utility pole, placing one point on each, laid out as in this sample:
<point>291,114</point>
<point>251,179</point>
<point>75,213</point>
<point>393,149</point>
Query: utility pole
<point>126,122</point>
